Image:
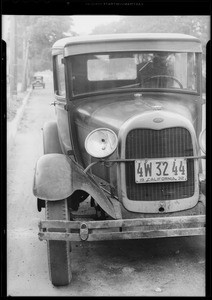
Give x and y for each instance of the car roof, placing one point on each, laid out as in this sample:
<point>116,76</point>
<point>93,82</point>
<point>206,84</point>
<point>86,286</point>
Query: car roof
<point>148,39</point>
<point>82,39</point>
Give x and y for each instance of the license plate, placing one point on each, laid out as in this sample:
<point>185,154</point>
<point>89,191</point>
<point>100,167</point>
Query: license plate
<point>160,170</point>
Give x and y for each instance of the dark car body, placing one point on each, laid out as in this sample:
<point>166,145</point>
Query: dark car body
<point>149,185</point>
<point>38,82</point>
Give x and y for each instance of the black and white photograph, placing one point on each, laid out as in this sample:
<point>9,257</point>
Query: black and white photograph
<point>106,154</point>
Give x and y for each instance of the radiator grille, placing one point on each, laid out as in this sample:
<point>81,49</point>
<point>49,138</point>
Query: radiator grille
<point>148,143</point>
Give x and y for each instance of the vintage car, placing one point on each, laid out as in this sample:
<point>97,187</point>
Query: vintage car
<point>123,160</point>
<point>38,82</point>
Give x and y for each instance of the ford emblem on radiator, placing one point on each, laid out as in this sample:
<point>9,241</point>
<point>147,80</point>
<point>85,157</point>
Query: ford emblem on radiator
<point>158,120</point>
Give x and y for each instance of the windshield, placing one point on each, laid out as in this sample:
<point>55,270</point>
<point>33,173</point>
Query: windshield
<point>130,70</point>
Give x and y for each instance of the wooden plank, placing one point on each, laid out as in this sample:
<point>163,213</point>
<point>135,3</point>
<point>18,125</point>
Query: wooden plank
<point>182,221</point>
<point>123,235</point>
<point>57,236</point>
<point>147,234</point>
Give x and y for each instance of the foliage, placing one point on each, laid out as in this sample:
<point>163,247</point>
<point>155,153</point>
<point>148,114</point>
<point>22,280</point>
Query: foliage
<point>44,33</point>
<point>41,32</point>
<point>197,26</point>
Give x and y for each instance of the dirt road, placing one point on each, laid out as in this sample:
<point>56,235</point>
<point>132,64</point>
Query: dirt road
<point>156,267</point>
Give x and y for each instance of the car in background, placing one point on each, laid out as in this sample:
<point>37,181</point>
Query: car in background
<point>38,82</point>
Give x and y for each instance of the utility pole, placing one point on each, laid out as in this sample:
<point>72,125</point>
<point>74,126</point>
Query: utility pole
<point>13,59</point>
<point>24,78</point>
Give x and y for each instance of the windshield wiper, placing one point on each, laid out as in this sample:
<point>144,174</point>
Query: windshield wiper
<point>146,64</point>
<point>130,85</point>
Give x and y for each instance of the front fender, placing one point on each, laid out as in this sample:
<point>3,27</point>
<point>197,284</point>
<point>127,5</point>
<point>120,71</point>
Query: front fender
<point>57,177</point>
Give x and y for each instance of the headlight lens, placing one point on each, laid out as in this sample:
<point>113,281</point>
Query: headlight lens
<point>101,142</point>
<point>202,141</point>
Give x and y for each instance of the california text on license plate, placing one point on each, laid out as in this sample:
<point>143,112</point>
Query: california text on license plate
<point>160,170</point>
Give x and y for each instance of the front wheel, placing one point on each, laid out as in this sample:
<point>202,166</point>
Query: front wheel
<point>58,252</point>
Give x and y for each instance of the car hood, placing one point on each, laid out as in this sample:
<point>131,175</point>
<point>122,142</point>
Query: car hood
<point>112,111</point>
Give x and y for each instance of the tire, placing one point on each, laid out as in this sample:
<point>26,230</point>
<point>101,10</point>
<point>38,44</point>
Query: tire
<point>58,252</point>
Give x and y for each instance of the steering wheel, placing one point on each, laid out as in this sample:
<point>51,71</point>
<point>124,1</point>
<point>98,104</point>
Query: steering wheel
<point>165,76</point>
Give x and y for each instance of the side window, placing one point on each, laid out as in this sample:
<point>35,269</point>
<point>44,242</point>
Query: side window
<point>60,75</point>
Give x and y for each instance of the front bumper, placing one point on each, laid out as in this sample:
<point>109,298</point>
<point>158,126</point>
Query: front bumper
<point>156,227</point>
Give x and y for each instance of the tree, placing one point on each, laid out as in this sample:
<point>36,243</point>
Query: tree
<point>197,26</point>
<point>35,37</point>
<point>44,33</point>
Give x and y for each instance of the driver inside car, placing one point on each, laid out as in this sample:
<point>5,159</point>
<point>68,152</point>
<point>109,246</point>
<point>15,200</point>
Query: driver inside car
<point>156,71</point>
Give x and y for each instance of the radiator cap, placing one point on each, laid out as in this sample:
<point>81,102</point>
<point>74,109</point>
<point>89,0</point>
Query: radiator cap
<point>138,96</point>
<point>138,99</point>
<point>157,107</point>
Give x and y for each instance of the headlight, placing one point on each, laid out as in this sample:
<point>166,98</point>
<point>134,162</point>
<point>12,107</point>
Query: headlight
<point>202,141</point>
<point>101,142</point>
